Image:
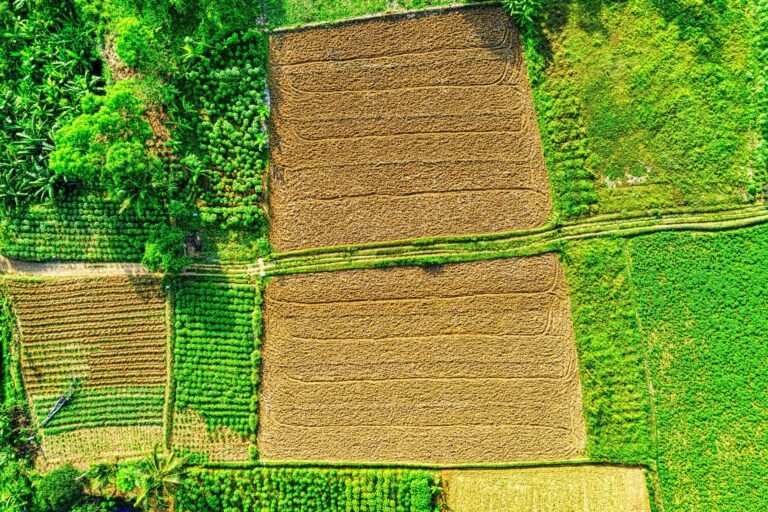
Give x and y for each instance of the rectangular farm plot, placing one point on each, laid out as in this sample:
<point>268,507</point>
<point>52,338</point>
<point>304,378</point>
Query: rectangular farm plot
<point>403,127</point>
<point>216,370</point>
<point>464,363</point>
<point>555,489</point>
<point>107,334</point>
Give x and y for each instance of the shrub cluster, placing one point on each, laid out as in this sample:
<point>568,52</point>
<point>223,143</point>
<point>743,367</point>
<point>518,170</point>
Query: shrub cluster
<point>221,138</point>
<point>105,147</point>
<point>308,490</point>
<point>216,356</point>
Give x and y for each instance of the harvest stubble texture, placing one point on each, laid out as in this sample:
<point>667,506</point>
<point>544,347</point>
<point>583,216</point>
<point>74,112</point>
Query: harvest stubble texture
<point>554,489</point>
<point>403,127</point>
<point>472,362</point>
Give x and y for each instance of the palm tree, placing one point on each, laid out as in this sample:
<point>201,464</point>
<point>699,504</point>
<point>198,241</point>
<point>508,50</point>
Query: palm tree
<point>102,478</point>
<point>160,476</point>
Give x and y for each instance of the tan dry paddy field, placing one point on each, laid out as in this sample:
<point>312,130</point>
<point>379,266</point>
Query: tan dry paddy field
<point>552,489</point>
<point>403,127</point>
<point>463,363</point>
<point>108,332</point>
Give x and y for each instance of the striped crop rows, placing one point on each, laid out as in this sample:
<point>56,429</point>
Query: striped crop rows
<point>86,228</point>
<point>107,335</point>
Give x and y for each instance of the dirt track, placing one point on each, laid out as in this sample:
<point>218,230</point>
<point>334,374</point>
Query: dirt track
<point>563,489</point>
<point>400,128</point>
<point>464,363</point>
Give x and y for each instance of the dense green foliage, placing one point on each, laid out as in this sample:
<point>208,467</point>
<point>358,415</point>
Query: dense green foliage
<point>611,353</point>
<point>216,353</point>
<point>296,12</point>
<point>703,305</point>
<point>59,490</point>
<point>79,227</point>
<point>105,407</point>
<point>11,390</point>
<point>671,125</point>
<point>760,182</point>
<point>48,62</point>
<point>105,149</point>
<point>563,138</point>
<point>308,490</point>
<point>134,42</point>
<point>220,137</point>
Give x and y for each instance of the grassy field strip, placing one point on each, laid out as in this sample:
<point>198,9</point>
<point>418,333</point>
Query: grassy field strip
<point>606,220</point>
<point>525,245</point>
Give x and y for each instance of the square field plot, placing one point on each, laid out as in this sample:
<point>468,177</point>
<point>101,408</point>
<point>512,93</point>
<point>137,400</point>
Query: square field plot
<point>403,127</point>
<point>470,362</point>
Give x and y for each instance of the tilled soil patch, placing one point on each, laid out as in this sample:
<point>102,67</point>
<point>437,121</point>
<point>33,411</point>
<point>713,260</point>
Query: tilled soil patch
<point>403,127</point>
<point>464,363</point>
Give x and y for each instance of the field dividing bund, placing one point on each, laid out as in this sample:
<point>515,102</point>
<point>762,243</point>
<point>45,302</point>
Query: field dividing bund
<point>468,363</point>
<point>108,335</point>
<point>403,127</point>
<point>553,489</point>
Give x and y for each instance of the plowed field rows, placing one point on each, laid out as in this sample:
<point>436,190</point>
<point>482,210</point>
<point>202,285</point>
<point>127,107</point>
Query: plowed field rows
<point>462,363</point>
<point>107,332</point>
<point>565,489</point>
<point>403,127</point>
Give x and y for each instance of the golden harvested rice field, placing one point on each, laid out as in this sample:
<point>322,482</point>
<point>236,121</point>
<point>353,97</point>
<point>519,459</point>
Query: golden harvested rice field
<point>398,128</point>
<point>470,362</point>
<point>553,489</point>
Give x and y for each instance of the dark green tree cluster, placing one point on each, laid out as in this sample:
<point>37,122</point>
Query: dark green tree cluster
<point>48,63</point>
<point>105,147</point>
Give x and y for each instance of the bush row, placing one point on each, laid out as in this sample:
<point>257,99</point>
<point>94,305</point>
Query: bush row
<point>308,490</point>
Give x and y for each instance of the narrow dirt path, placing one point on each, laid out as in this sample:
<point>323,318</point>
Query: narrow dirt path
<point>69,269</point>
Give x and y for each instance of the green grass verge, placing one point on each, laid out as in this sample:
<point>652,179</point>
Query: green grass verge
<point>704,311</point>
<point>282,13</point>
<point>672,123</point>
<point>611,352</point>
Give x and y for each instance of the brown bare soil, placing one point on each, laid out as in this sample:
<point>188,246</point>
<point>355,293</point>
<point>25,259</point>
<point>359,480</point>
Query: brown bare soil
<point>554,489</point>
<point>403,127</point>
<point>471,362</point>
